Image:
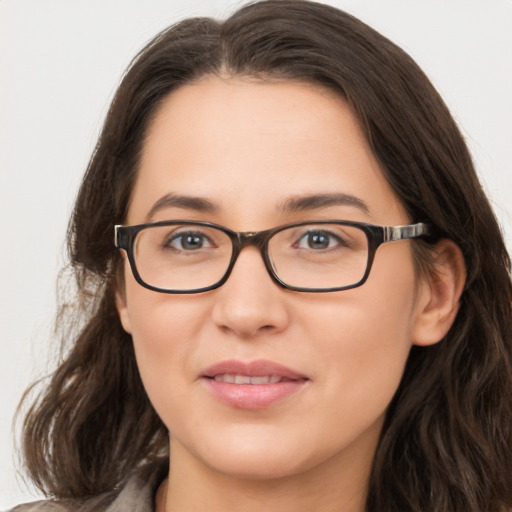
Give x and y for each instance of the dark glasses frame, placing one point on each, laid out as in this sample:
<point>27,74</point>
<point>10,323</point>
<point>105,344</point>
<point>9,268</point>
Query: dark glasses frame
<point>124,238</point>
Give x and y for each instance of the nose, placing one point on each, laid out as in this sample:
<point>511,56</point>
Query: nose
<point>250,303</point>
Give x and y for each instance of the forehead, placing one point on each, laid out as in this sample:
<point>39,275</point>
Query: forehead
<point>248,145</point>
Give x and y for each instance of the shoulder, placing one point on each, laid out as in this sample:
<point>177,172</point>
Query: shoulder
<point>43,506</point>
<point>53,506</point>
<point>138,493</point>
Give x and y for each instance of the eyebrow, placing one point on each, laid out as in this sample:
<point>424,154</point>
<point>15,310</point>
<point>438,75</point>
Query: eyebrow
<point>316,201</point>
<point>198,204</point>
<point>293,204</point>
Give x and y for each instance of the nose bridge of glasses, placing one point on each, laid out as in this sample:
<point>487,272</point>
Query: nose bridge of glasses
<point>245,239</point>
<point>256,238</point>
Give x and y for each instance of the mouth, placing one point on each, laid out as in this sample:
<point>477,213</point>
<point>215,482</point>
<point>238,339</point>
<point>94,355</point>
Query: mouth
<point>255,385</point>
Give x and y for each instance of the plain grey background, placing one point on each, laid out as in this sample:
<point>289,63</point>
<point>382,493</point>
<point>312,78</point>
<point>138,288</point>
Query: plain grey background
<point>60,62</point>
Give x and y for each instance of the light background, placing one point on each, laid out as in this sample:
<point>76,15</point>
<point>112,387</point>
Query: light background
<point>60,62</point>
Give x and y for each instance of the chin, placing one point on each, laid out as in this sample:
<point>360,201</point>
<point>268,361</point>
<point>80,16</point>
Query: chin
<point>264,456</point>
<point>260,467</point>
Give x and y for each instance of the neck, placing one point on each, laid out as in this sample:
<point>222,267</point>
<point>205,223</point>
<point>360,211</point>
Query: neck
<point>329,486</point>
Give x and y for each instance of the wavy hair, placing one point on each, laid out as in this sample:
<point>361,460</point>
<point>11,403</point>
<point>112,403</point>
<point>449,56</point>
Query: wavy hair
<point>446,444</point>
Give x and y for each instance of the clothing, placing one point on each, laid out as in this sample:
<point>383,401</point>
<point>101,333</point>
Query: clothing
<point>137,495</point>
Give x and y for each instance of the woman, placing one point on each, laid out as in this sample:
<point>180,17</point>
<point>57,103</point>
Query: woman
<point>305,302</point>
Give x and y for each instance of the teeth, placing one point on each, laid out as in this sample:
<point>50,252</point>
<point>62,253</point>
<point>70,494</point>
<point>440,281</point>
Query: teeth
<point>261,380</point>
<point>246,379</point>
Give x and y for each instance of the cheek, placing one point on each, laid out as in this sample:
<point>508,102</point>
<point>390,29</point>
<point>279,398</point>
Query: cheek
<point>158,320</point>
<point>166,332</point>
<point>363,337</point>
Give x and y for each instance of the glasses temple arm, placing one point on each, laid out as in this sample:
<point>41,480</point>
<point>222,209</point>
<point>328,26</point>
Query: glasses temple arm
<point>392,233</point>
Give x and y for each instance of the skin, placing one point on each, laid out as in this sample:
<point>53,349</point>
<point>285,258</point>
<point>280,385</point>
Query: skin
<point>248,146</point>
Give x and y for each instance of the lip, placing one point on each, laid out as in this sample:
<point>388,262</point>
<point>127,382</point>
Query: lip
<point>252,396</point>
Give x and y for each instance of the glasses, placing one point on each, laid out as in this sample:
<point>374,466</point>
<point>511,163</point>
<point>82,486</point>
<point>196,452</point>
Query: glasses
<point>183,256</point>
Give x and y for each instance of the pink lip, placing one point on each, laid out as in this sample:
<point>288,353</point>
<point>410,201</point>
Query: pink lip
<point>252,396</point>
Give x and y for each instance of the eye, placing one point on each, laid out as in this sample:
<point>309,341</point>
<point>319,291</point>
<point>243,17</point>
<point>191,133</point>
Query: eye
<point>188,241</point>
<point>320,240</point>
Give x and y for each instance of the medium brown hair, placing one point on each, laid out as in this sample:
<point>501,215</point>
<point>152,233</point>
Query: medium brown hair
<point>447,441</point>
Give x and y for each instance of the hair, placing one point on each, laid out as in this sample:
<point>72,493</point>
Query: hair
<point>447,439</point>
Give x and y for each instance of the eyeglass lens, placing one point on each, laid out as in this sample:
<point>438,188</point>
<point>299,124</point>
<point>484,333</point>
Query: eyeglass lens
<point>191,256</point>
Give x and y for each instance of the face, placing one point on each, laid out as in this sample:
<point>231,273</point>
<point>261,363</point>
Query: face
<point>248,148</point>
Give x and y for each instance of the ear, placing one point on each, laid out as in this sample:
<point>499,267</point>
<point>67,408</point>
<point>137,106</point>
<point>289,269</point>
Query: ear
<point>122,310</point>
<point>439,294</point>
